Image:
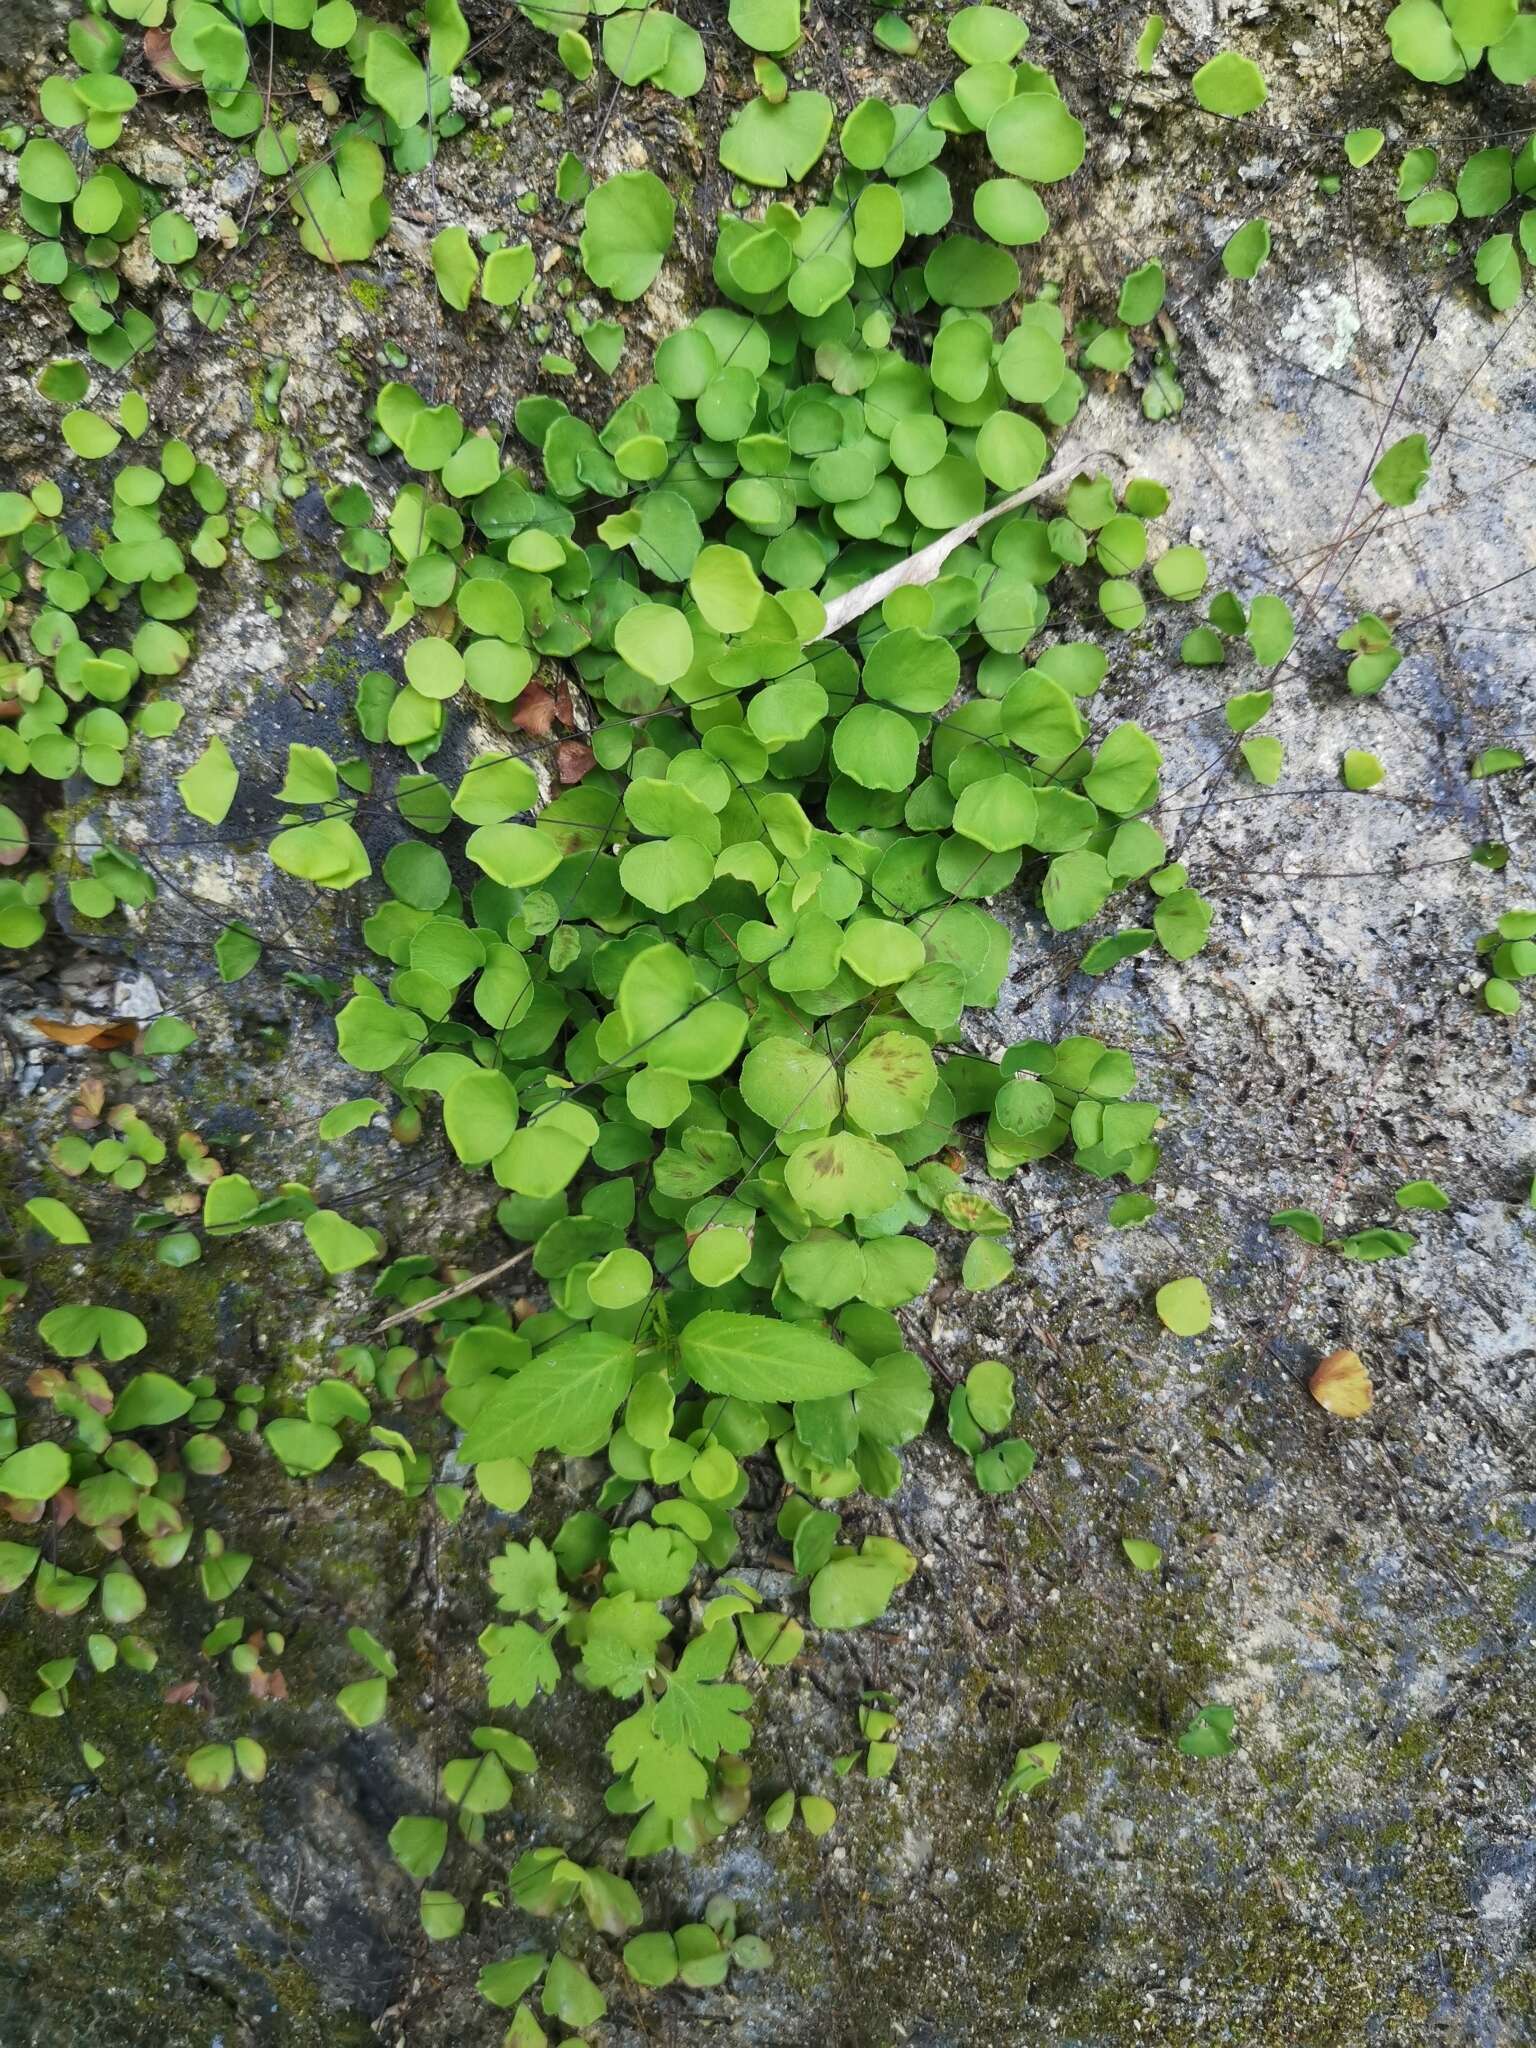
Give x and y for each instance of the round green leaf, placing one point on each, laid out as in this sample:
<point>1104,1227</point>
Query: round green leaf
<point>479,1115</point>
<point>656,642</point>
<point>629,221</point>
<point>1184,1307</point>
<point>1035,137</point>
<point>37,1473</point>
<point>777,145</point>
<point>875,748</point>
<point>1229,84</point>
<point>46,171</point>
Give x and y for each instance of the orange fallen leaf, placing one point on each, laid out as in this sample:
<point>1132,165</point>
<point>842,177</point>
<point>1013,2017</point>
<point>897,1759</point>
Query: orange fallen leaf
<point>1341,1384</point>
<point>119,1031</point>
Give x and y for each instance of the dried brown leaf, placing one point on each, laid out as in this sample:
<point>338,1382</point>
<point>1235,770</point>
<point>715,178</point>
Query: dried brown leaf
<point>101,1037</point>
<point>928,562</point>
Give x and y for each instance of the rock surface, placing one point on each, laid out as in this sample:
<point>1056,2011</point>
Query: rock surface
<point>1362,1868</point>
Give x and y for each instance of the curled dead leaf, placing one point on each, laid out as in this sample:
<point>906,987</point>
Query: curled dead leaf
<point>535,711</point>
<point>159,57</point>
<point>90,1100</point>
<point>1341,1384</point>
<point>573,758</point>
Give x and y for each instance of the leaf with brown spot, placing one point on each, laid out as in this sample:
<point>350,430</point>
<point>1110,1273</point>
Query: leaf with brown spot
<point>887,1086</point>
<point>844,1175</point>
<point>1342,1385</point>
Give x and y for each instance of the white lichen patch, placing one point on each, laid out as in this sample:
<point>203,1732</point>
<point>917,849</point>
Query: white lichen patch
<point>1321,332</point>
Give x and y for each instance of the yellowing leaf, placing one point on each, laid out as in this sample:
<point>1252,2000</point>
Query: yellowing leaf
<point>1342,1385</point>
